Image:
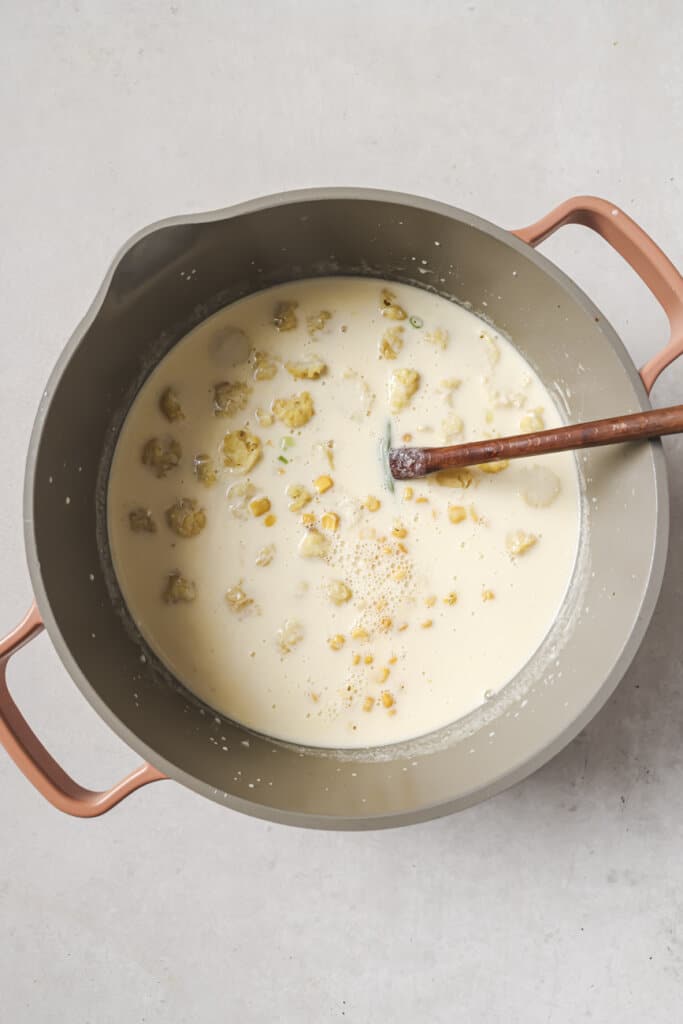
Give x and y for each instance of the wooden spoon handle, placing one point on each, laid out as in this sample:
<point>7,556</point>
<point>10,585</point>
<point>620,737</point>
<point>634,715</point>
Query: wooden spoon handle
<point>408,463</point>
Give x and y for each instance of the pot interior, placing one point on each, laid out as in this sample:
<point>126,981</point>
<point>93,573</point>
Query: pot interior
<point>171,278</point>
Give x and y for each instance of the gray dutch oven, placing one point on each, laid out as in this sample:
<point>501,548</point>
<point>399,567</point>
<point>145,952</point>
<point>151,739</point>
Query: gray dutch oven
<point>175,273</point>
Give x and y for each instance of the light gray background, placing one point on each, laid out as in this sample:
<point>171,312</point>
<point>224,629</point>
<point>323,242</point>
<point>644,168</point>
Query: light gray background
<point>558,901</point>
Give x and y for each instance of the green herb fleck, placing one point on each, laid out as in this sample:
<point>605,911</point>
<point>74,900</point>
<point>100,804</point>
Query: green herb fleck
<point>287,442</point>
<point>281,458</point>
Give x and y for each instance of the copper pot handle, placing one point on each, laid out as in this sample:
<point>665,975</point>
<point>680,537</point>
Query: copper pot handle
<point>632,243</point>
<point>31,757</point>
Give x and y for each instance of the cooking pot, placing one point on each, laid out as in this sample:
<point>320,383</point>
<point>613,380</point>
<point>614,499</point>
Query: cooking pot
<point>179,271</point>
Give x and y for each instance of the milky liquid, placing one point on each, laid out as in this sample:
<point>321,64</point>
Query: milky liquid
<point>450,589</point>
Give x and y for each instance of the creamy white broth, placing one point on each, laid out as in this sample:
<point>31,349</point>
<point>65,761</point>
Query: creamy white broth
<point>362,617</point>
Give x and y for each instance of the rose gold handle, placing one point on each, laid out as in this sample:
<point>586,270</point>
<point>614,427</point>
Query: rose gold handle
<point>31,757</point>
<point>638,249</point>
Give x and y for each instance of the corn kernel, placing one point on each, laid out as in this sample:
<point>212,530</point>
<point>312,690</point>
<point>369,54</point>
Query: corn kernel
<point>389,307</point>
<point>408,494</point>
<point>384,675</point>
<point>371,503</point>
<point>306,369</point>
<point>403,384</point>
<point>456,513</point>
<point>451,427</point>
<point>237,599</point>
<point>450,598</point>
<point>460,478</point>
<point>399,531</point>
<point>337,641</point>
<point>299,495</point>
<point>323,483</point>
<point>492,349</point>
<point>270,520</point>
<point>265,419</point>
<point>399,575</point>
<point>385,623</point>
<point>358,633</point>
<point>427,624</point>
<point>307,519</point>
<point>430,601</point>
<point>368,704</point>
<point>313,545</point>
<point>518,542</point>
<point>339,592</point>
<point>393,659</point>
<point>330,521</point>
<point>368,659</point>
<point>265,367</point>
<point>265,555</point>
<point>532,421</point>
<point>294,411</point>
<point>487,595</point>
<point>403,628</point>
<point>391,343</point>
<point>421,500</point>
<point>438,337</point>
<point>284,318</point>
<point>494,467</point>
<point>356,659</point>
<point>387,699</point>
<point>450,383</point>
<point>289,635</point>
<point>259,506</point>
<point>407,438</point>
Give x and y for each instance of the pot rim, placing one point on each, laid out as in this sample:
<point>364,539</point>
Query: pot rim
<point>535,758</point>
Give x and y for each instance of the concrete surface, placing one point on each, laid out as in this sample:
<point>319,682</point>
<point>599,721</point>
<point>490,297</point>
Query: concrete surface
<point>559,901</point>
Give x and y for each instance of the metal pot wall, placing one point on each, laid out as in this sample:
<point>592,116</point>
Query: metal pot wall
<point>171,276</point>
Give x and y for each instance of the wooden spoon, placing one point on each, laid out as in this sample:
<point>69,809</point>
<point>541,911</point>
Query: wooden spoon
<point>409,463</point>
